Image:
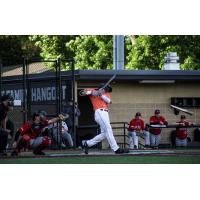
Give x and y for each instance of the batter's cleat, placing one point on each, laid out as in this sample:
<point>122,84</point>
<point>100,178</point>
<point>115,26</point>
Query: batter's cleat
<point>121,151</point>
<point>41,153</point>
<point>85,146</point>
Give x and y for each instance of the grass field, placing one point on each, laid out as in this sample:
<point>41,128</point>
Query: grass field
<point>170,156</point>
<point>107,160</point>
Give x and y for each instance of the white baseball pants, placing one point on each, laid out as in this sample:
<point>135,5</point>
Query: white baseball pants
<point>102,118</point>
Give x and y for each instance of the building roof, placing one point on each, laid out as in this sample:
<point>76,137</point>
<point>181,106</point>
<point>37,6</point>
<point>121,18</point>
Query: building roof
<point>14,70</point>
<point>121,75</point>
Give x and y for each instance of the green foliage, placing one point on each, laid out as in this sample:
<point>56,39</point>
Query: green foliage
<point>149,51</point>
<point>14,47</point>
<point>96,51</point>
<point>92,52</point>
<point>53,47</point>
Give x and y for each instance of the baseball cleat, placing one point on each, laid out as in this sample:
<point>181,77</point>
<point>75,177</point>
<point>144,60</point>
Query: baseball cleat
<point>121,151</point>
<point>85,146</point>
<point>41,153</point>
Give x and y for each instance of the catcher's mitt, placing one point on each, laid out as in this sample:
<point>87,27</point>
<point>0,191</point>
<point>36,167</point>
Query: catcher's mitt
<point>62,117</point>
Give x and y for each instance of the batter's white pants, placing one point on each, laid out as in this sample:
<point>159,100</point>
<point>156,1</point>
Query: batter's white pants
<point>154,140</point>
<point>144,135</point>
<point>102,118</point>
<point>180,142</point>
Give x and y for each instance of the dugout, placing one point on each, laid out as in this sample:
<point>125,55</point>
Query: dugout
<point>133,91</point>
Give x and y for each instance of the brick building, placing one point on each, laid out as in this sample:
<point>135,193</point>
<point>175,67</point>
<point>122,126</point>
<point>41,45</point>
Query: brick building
<point>133,91</point>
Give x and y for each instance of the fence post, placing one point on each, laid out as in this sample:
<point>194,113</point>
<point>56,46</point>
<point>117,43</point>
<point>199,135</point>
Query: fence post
<point>124,135</point>
<point>59,86</point>
<point>0,77</point>
<point>73,96</point>
<point>24,89</point>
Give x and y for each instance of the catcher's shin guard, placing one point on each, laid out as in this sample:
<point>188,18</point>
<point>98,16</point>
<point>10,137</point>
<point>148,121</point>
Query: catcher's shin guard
<point>21,144</point>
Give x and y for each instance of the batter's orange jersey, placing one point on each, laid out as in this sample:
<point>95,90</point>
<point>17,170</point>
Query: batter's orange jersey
<point>98,102</point>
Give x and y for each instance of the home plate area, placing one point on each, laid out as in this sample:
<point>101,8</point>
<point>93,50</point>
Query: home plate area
<point>110,153</point>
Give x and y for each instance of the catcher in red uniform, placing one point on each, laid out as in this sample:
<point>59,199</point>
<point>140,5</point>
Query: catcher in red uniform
<point>155,133</point>
<point>33,134</point>
<point>182,133</point>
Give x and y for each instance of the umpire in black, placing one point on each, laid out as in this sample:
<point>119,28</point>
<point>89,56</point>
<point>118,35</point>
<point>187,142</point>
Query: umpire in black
<point>6,104</point>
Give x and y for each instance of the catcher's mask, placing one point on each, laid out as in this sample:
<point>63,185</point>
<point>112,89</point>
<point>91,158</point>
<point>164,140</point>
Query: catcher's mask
<point>108,88</point>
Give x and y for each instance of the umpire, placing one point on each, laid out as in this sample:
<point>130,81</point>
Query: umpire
<point>6,102</point>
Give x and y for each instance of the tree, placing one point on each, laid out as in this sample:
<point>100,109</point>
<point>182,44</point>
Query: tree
<point>92,52</point>
<point>53,47</point>
<point>14,47</point>
<point>148,52</point>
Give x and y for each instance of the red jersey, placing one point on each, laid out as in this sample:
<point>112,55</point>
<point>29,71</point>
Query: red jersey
<point>33,129</point>
<point>157,120</point>
<point>182,133</point>
<point>98,102</point>
<point>136,125</point>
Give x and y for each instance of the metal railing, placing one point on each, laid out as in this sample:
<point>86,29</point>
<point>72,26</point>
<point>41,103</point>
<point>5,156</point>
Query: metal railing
<point>116,126</point>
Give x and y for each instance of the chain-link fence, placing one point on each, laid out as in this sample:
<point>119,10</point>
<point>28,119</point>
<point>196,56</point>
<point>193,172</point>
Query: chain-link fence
<point>38,85</point>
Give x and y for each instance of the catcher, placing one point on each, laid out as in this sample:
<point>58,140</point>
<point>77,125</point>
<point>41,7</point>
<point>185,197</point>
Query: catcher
<point>33,134</point>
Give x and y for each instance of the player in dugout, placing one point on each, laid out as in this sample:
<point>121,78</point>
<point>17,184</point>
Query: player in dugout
<point>155,133</point>
<point>182,132</point>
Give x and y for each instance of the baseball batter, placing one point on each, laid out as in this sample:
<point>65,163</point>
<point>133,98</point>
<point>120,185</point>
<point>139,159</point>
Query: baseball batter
<point>100,100</point>
<point>182,133</point>
<point>137,128</point>
<point>155,133</point>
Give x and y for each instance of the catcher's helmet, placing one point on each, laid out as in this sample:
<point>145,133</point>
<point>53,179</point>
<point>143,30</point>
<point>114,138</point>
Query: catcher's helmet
<point>42,113</point>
